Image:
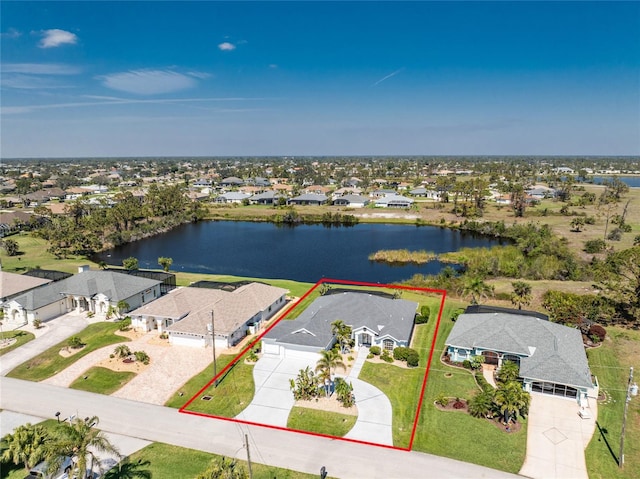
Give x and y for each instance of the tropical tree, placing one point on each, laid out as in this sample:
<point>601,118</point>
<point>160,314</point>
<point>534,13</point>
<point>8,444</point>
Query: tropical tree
<point>122,306</point>
<point>342,333</point>
<point>619,278</point>
<point>509,371</point>
<point>26,445</point>
<point>224,468</point>
<point>11,247</point>
<point>122,351</point>
<point>81,439</point>
<point>165,262</point>
<point>481,405</point>
<point>521,295</point>
<point>475,287</point>
<point>512,400</point>
<point>130,470</point>
<point>329,360</point>
<point>130,263</point>
<point>305,386</point>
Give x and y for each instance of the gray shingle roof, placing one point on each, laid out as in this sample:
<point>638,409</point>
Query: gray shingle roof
<point>116,286</point>
<point>393,317</point>
<point>554,353</point>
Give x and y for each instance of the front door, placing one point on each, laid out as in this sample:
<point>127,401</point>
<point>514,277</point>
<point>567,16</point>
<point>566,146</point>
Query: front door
<point>364,340</point>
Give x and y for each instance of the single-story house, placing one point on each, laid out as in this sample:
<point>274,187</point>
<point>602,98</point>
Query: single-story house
<point>185,314</point>
<point>551,356</point>
<point>232,181</point>
<point>267,198</point>
<point>13,285</point>
<point>382,193</point>
<point>394,201</point>
<point>374,320</point>
<point>232,197</point>
<point>308,199</point>
<point>426,193</point>
<point>352,201</point>
<point>88,291</point>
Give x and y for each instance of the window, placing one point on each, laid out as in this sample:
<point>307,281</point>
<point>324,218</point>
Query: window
<point>388,344</point>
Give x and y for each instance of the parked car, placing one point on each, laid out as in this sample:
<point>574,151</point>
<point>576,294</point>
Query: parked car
<point>41,470</point>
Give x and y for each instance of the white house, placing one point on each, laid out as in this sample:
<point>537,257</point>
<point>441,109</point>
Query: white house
<point>185,314</point>
<point>351,201</point>
<point>394,201</point>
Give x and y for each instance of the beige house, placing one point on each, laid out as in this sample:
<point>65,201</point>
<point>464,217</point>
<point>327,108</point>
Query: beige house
<point>185,314</point>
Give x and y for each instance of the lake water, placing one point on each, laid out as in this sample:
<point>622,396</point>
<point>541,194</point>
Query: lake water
<point>632,181</point>
<point>302,253</point>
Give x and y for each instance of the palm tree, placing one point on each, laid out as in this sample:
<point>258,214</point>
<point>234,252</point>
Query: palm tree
<point>25,445</point>
<point>521,295</point>
<point>512,400</point>
<point>122,351</point>
<point>81,439</point>
<point>329,360</point>
<point>224,468</point>
<point>129,470</point>
<point>122,306</point>
<point>481,404</point>
<point>342,333</point>
<point>509,371</point>
<point>476,288</point>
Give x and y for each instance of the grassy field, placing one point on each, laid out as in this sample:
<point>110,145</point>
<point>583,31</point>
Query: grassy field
<point>233,393</point>
<point>171,462</point>
<point>102,380</point>
<point>496,449</point>
<point>321,422</point>
<point>610,363</point>
<point>21,338</point>
<point>50,362</point>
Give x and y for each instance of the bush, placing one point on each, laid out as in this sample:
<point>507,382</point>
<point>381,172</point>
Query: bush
<point>456,313</point>
<point>142,357</point>
<point>466,364</point>
<point>375,350</point>
<point>75,342</point>
<point>400,353</point>
<point>413,359</point>
<point>125,324</point>
<point>598,331</point>
<point>37,323</point>
<point>594,246</point>
<point>442,400</point>
<point>386,356</point>
<point>423,317</point>
<point>370,356</point>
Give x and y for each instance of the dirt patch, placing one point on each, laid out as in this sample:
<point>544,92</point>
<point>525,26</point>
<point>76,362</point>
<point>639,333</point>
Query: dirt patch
<point>5,343</point>
<point>67,352</point>
<point>454,405</point>
<point>130,333</point>
<point>330,404</point>
<point>118,364</point>
<point>158,341</point>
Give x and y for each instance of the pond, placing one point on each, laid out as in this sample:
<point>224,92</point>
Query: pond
<point>301,253</point>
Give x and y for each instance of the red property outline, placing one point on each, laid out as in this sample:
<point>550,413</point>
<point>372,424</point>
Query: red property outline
<point>250,345</point>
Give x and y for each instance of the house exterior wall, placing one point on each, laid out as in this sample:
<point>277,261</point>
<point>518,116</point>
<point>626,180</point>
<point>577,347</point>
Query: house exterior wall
<point>187,340</point>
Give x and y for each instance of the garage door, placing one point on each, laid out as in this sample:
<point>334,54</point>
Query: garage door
<point>306,355</point>
<point>273,349</point>
<point>186,341</point>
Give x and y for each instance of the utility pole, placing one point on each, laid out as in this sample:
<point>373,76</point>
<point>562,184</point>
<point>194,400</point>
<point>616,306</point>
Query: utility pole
<point>627,399</point>
<point>213,349</point>
<point>246,442</point>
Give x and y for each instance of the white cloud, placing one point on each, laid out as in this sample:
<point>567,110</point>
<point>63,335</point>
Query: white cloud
<point>11,33</point>
<point>30,82</point>
<point>55,38</point>
<point>199,75</point>
<point>226,46</point>
<point>148,82</point>
<point>40,68</point>
<point>390,75</point>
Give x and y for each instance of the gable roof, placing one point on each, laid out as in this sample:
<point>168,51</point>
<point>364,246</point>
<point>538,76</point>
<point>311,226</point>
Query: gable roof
<point>194,305</point>
<point>115,286</point>
<point>382,316</point>
<point>552,352</point>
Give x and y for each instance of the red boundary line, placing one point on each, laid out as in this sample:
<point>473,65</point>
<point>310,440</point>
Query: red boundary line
<point>184,410</point>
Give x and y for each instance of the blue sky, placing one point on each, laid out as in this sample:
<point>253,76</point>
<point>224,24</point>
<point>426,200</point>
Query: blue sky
<point>319,78</point>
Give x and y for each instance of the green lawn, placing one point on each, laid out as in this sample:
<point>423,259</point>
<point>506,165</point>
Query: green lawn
<point>102,380</point>
<point>610,363</point>
<point>437,430</point>
<point>234,392</point>
<point>321,422</point>
<point>49,363</point>
<point>21,338</point>
<point>171,462</point>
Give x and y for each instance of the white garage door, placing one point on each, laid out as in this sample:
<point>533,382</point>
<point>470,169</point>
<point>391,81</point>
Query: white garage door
<point>273,349</point>
<point>186,341</point>
<point>306,355</point>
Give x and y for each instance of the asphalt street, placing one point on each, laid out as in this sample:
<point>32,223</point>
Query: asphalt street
<point>300,452</point>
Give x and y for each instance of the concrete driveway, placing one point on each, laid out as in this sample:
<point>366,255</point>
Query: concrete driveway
<point>273,399</point>
<point>374,414</point>
<point>556,438</point>
<point>51,333</point>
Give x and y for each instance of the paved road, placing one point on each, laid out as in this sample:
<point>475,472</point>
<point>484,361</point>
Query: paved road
<point>285,449</point>
<point>51,333</point>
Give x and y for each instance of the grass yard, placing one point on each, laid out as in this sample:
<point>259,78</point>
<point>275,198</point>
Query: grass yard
<point>102,380</point>
<point>170,462</point>
<point>21,338</point>
<point>50,363</point>
<point>234,392</point>
<point>321,422</point>
<point>436,428</point>
<point>610,363</point>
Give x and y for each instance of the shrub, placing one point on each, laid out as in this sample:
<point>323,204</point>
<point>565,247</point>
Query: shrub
<point>375,350</point>
<point>142,357</point>
<point>594,246</point>
<point>75,342</point>
<point>466,364</point>
<point>125,324</point>
<point>413,359</point>
<point>370,356</point>
<point>400,353</point>
<point>476,362</point>
<point>482,382</point>
<point>423,317</point>
<point>442,400</point>
<point>456,313</point>
<point>385,356</point>
<point>37,323</point>
<point>598,331</point>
